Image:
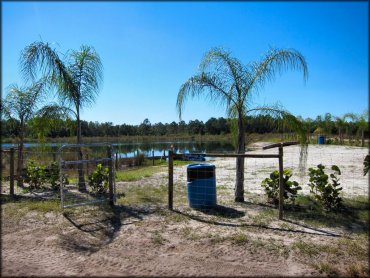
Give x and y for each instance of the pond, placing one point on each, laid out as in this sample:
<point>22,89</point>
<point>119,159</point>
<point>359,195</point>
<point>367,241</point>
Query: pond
<point>131,149</point>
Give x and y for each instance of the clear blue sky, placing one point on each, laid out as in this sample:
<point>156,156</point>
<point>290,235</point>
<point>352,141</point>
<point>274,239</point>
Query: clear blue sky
<point>149,49</point>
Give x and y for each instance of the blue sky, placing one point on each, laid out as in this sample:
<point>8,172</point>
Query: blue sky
<point>149,49</point>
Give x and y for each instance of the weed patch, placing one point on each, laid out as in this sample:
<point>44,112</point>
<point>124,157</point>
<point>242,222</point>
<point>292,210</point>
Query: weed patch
<point>158,238</point>
<point>144,194</point>
<point>138,173</point>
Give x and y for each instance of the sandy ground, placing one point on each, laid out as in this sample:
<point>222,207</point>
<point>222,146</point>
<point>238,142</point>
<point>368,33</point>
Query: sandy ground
<point>348,159</point>
<point>148,240</point>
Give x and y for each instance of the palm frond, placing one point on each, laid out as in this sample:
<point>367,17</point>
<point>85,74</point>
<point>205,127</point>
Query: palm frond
<point>229,69</point>
<point>22,102</point>
<point>40,57</point>
<point>204,84</point>
<point>275,62</point>
<point>54,111</point>
<point>350,116</point>
<point>87,72</point>
<point>275,110</point>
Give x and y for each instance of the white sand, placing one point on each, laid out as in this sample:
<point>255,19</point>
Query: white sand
<point>348,159</point>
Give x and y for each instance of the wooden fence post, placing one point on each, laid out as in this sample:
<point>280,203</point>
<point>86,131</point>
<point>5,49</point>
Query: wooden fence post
<point>110,167</point>
<point>11,174</point>
<point>116,161</point>
<point>170,179</point>
<point>19,168</point>
<point>87,165</point>
<point>153,157</point>
<point>281,183</point>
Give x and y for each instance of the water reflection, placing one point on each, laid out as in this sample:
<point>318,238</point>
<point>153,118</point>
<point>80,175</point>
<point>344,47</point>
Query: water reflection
<point>148,149</point>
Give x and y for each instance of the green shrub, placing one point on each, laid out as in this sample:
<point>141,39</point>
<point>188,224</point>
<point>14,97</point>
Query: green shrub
<point>53,176</point>
<point>271,186</point>
<point>324,191</point>
<point>35,174</point>
<point>98,180</point>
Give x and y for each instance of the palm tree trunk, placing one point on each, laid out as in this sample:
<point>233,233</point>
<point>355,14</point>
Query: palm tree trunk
<point>81,176</point>
<point>239,185</point>
<point>20,157</point>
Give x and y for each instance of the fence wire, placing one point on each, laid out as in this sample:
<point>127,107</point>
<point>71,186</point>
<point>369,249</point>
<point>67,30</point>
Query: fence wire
<point>348,159</point>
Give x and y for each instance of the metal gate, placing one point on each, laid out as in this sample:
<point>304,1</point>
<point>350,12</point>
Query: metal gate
<point>83,159</point>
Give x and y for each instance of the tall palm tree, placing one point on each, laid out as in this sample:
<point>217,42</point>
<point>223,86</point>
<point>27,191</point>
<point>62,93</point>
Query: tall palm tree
<point>77,79</point>
<point>226,81</point>
<point>340,124</point>
<point>21,104</point>
<point>363,125</point>
<point>349,128</point>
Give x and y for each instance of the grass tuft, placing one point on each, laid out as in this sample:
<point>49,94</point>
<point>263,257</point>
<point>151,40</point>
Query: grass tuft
<point>138,173</point>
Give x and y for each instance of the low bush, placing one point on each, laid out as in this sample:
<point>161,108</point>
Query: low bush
<point>53,176</point>
<point>98,179</point>
<point>35,175</point>
<point>324,191</point>
<point>271,186</point>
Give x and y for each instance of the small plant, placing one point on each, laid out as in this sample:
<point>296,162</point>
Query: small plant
<point>35,174</point>
<point>98,180</point>
<point>271,186</point>
<point>53,176</point>
<point>323,191</point>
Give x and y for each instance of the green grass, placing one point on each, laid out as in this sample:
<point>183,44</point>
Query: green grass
<point>324,256</point>
<point>190,233</point>
<point>147,194</point>
<point>138,173</point>
<point>17,207</point>
<point>239,238</point>
<point>157,238</point>
<point>173,217</point>
<point>308,248</point>
<point>215,238</point>
<point>353,216</point>
<point>265,217</point>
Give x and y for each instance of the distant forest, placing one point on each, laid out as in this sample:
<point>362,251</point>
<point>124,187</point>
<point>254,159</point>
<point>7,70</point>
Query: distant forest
<point>214,126</point>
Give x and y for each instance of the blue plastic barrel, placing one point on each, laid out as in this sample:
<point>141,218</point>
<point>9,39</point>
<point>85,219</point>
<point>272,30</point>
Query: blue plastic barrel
<point>321,140</point>
<point>201,185</point>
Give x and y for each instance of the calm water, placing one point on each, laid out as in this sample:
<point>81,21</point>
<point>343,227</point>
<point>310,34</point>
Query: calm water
<point>130,149</point>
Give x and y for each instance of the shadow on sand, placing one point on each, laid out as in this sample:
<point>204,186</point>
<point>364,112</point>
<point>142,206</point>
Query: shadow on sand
<point>97,226</point>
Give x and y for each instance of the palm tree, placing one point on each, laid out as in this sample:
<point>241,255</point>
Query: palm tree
<point>363,125</point>
<point>226,81</point>
<point>349,128</point>
<point>340,123</point>
<point>77,79</point>
<point>21,104</point>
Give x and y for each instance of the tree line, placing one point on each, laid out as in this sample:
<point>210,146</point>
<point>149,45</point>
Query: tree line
<point>349,126</point>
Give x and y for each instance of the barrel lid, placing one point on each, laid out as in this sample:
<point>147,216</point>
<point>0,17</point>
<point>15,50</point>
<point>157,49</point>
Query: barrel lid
<point>201,166</point>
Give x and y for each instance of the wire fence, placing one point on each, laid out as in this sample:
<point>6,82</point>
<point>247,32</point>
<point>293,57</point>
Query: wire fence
<point>86,180</point>
<point>348,159</point>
